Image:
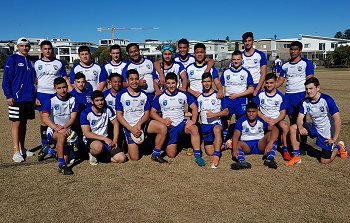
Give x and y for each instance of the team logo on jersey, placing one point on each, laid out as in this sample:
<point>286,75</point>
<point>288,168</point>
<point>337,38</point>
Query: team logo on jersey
<point>262,101</point>
<point>148,66</point>
<point>142,102</point>
<point>255,60</point>
<point>242,77</point>
<point>276,103</point>
<point>300,68</point>
<point>260,129</point>
<point>228,77</point>
<point>180,100</point>
<point>247,130</point>
<point>93,122</point>
<point>56,107</point>
<point>109,71</point>
<point>127,102</point>
<point>165,102</point>
<point>191,72</point>
<point>55,67</point>
<point>40,67</point>
<point>308,109</point>
<point>242,62</point>
<point>110,102</point>
<point>286,70</point>
<point>95,72</point>
<point>213,101</point>
<point>21,64</point>
<point>322,108</point>
<point>88,99</point>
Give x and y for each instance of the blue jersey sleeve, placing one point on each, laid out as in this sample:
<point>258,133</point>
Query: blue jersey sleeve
<point>72,75</point>
<point>256,99</point>
<point>154,74</point>
<point>9,70</point>
<point>282,73</point>
<point>156,105</point>
<point>222,79</point>
<point>125,69</point>
<point>83,117</point>
<point>63,71</point>
<point>181,68</point>
<point>147,105</point>
<point>223,104</point>
<point>111,113</point>
<point>284,104</point>
<point>214,73</point>
<point>46,106</point>
<point>238,125</point>
<point>76,105</point>
<point>250,81</point>
<point>302,108</point>
<point>332,107</point>
<point>190,99</point>
<point>309,68</point>
<point>103,75</point>
<point>263,60</point>
<point>118,103</point>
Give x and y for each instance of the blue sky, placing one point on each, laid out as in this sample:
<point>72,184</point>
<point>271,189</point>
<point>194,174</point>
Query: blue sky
<point>194,20</point>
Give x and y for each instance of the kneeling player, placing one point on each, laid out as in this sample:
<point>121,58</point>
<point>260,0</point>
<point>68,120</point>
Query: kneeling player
<point>211,109</point>
<point>171,103</point>
<point>133,113</point>
<point>59,113</point>
<point>94,123</point>
<point>325,125</point>
<point>249,138</point>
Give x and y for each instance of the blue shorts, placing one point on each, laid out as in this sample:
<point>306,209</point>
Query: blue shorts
<point>253,145</point>
<point>175,132</point>
<point>320,140</point>
<point>128,133</point>
<point>236,106</point>
<point>150,97</point>
<point>294,101</point>
<point>208,134</point>
<point>43,97</point>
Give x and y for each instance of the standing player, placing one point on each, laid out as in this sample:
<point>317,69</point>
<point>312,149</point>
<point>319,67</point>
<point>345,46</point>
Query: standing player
<point>133,113</point>
<point>255,61</point>
<point>249,138</point>
<point>195,71</point>
<point>296,71</point>
<point>94,123</point>
<point>277,65</point>
<point>95,74</point>
<point>171,103</point>
<point>116,65</point>
<point>325,127</point>
<point>59,113</point>
<point>272,109</point>
<point>18,84</point>
<point>47,69</point>
<point>211,109</point>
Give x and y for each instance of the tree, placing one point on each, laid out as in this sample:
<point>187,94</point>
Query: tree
<point>340,57</point>
<point>346,34</point>
<point>76,61</point>
<point>101,55</point>
<point>338,35</point>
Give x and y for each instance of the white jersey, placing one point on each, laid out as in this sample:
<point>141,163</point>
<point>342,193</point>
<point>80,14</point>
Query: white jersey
<point>194,75</point>
<point>249,132</point>
<point>190,59</point>
<point>210,103</point>
<point>60,110</point>
<point>146,71</point>
<point>278,62</point>
<point>321,113</point>
<point>110,99</point>
<point>47,72</point>
<point>236,81</point>
<point>111,68</point>
<point>176,68</point>
<point>98,123</point>
<point>271,106</point>
<point>295,74</point>
<point>94,74</point>
<point>253,63</point>
<point>173,105</point>
<point>133,107</point>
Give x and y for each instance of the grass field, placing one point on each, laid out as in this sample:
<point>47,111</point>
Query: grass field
<point>145,191</point>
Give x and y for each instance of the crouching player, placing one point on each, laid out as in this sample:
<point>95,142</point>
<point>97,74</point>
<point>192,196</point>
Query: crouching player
<point>325,125</point>
<point>272,109</point>
<point>59,113</point>
<point>171,103</point>
<point>94,123</point>
<point>249,138</point>
<point>133,113</point>
<point>211,109</point>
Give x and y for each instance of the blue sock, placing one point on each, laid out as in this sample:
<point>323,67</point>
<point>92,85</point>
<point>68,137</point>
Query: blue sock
<point>337,147</point>
<point>224,133</point>
<point>217,153</point>
<point>156,152</point>
<point>241,156</point>
<point>285,149</point>
<point>197,153</point>
<point>50,151</point>
<point>61,162</point>
<point>296,152</point>
<point>271,154</point>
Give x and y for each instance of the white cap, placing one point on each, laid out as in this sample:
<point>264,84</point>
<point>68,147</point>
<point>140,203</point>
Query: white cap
<point>23,41</point>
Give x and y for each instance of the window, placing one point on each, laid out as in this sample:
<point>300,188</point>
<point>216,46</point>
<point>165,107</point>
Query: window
<point>286,46</point>
<point>321,46</point>
<point>264,46</point>
<point>307,45</point>
<point>333,45</point>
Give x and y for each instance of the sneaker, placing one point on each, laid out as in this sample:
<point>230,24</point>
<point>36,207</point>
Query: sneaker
<point>270,163</point>
<point>189,152</point>
<point>343,153</point>
<point>17,157</point>
<point>294,160</point>
<point>92,160</point>
<point>42,153</point>
<point>241,165</point>
<point>215,163</point>
<point>200,161</point>
<point>159,159</point>
<point>286,156</point>
<point>65,170</point>
<point>25,152</point>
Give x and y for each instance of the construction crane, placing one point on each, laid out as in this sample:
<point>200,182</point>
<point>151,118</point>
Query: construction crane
<point>113,29</point>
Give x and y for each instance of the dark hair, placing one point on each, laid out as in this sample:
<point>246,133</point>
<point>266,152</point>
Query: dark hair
<point>83,48</point>
<point>236,53</point>
<point>131,45</point>
<point>251,105</point>
<point>45,42</point>
<point>97,94</point>
<point>171,76</point>
<point>246,35</point>
<point>199,45</point>
<point>59,80</point>
<point>313,80</point>
<point>79,75</point>
<point>277,57</point>
<point>206,75</point>
<point>114,47</point>
<point>296,43</point>
<point>115,75</point>
<point>131,71</point>
<point>183,41</point>
<point>270,76</point>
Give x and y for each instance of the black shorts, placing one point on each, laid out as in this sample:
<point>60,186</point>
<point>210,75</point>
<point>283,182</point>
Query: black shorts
<point>112,152</point>
<point>21,111</point>
<point>326,154</point>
